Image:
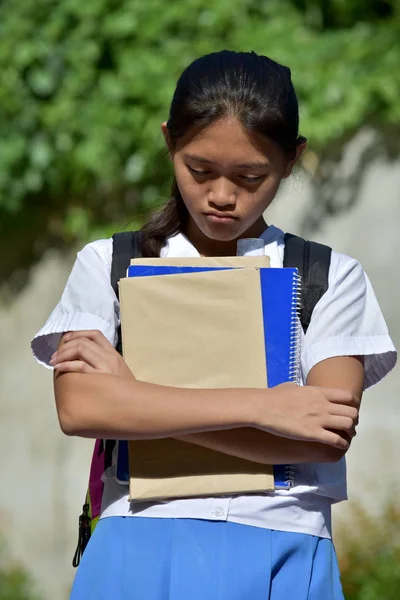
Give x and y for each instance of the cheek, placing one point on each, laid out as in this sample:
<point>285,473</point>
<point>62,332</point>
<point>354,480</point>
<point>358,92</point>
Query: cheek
<point>262,198</point>
<point>273,183</point>
<point>191,191</point>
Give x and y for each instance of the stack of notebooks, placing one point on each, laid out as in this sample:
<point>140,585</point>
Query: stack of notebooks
<point>205,323</point>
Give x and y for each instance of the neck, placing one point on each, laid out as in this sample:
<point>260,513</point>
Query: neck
<point>209,247</point>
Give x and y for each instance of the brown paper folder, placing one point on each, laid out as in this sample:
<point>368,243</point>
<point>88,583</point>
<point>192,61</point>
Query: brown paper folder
<point>197,330</point>
<point>202,261</point>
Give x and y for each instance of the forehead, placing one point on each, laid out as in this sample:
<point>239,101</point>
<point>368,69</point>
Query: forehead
<point>226,143</point>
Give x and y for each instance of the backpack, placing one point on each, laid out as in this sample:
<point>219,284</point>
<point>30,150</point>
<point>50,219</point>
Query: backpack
<point>312,261</point>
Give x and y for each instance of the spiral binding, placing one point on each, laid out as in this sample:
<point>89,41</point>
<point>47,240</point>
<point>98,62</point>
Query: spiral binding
<point>294,360</point>
<point>295,331</point>
<point>289,476</point>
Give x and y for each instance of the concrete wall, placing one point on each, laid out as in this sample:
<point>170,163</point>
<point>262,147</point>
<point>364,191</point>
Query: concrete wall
<point>44,473</point>
<point>355,208</point>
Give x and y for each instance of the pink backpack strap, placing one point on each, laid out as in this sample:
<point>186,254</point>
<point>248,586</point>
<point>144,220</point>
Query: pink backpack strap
<point>96,484</point>
<point>92,507</point>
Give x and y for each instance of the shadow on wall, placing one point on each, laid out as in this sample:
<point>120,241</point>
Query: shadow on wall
<point>339,178</point>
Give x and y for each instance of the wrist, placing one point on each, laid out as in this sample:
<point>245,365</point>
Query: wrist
<point>261,413</point>
<point>234,407</point>
<point>255,403</point>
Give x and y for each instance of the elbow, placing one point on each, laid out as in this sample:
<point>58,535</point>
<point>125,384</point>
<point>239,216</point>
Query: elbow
<point>69,412</point>
<point>68,421</point>
<point>69,404</point>
<point>74,421</point>
<point>332,455</point>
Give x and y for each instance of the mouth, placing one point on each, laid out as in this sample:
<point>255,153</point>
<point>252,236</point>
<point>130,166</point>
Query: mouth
<point>220,217</point>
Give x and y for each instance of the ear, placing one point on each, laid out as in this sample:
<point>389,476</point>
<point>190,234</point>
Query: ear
<point>299,151</point>
<point>167,139</point>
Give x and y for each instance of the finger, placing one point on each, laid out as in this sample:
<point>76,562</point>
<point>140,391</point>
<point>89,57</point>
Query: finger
<point>335,439</point>
<point>80,350</point>
<point>346,436</point>
<point>73,366</point>
<point>340,424</point>
<point>343,410</point>
<point>88,357</point>
<point>341,397</point>
<point>93,335</point>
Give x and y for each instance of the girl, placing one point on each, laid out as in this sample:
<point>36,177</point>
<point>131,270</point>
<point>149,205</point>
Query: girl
<point>232,136</point>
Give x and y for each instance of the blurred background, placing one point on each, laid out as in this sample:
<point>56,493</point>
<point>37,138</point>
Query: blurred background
<point>84,87</point>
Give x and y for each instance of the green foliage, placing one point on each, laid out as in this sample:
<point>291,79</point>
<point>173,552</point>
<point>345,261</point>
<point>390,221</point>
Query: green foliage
<point>15,584</point>
<point>85,86</point>
<point>369,555</point>
<point>334,14</point>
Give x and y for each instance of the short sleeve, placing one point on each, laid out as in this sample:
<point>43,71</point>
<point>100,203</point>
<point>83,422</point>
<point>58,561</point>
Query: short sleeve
<point>347,321</point>
<point>88,302</point>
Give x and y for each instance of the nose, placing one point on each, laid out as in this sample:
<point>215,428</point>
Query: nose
<point>222,195</point>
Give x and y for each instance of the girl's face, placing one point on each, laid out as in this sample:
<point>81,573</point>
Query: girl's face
<point>227,179</point>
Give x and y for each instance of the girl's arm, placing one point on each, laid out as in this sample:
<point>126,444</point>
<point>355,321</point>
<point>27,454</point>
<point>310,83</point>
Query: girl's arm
<point>115,407</point>
<point>259,446</point>
<point>97,396</point>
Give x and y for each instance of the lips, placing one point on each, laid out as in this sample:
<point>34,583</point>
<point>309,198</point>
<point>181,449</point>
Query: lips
<point>220,217</point>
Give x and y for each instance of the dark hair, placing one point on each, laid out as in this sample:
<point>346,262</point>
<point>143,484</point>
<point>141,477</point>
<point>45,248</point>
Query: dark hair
<point>255,89</point>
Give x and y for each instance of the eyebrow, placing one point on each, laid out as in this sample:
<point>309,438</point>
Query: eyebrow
<point>253,165</point>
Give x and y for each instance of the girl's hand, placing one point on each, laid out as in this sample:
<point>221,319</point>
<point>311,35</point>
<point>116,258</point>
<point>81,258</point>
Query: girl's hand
<point>88,352</point>
<point>313,414</point>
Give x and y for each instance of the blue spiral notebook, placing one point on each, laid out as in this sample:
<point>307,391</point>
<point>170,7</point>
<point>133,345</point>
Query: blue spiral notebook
<point>280,290</point>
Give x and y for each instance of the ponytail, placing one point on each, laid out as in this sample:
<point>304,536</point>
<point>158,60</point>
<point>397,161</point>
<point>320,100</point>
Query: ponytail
<point>166,222</point>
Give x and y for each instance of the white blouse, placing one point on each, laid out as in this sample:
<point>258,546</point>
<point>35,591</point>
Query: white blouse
<point>347,321</point>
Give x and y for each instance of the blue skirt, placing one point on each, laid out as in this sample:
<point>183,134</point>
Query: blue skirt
<point>139,558</point>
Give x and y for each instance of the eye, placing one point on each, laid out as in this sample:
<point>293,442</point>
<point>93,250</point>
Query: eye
<point>197,172</point>
<point>252,179</point>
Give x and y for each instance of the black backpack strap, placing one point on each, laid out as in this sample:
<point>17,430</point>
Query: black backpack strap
<point>312,261</point>
<point>126,245</point>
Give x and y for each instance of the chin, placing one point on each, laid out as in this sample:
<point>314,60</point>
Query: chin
<point>223,232</point>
